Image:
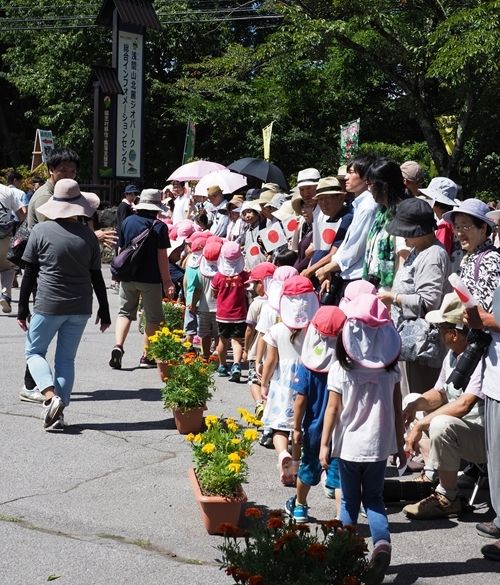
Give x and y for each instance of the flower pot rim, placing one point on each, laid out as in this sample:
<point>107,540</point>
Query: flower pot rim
<point>184,409</point>
<point>242,498</point>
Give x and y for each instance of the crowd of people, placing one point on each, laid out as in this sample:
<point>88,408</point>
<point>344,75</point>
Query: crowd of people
<point>335,296</point>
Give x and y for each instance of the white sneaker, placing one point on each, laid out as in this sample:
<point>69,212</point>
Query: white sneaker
<point>31,395</point>
<point>58,425</point>
<point>51,411</point>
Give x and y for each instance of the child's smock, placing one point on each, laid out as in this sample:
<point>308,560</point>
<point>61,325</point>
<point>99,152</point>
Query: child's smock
<point>278,413</point>
<point>365,430</point>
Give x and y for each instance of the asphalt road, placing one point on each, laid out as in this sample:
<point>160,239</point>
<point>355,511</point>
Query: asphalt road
<point>108,501</point>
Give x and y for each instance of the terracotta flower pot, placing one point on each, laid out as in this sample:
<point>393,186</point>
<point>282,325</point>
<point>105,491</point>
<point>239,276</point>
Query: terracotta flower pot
<point>189,421</point>
<point>216,510</point>
<point>164,369</point>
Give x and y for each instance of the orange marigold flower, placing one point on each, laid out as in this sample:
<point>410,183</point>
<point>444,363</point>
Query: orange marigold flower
<point>253,513</point>
<point>242,575</point>
<point>256,580</point>
<point>288,536</point>
<point>302,528</point>
<point>275,513</point>
<point>228,529</point>
<point>274,523</point>
<point>316,551</point>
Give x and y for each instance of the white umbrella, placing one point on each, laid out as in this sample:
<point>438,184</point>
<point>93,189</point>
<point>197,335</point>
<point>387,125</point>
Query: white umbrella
<point>228,181</point>
<point>195,170</point>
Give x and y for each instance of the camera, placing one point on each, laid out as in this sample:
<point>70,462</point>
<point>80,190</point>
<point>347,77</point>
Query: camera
<point>478,341</point>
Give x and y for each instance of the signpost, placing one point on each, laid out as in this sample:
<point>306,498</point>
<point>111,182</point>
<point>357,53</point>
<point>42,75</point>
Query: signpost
<point>44,145</point>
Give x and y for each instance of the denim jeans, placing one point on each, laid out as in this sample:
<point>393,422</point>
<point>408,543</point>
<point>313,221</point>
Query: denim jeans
<point>42,330</point>
<point>364,482</point>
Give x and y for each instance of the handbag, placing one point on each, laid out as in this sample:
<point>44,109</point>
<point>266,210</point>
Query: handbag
<point>17,244</point>
<point>420,342</point>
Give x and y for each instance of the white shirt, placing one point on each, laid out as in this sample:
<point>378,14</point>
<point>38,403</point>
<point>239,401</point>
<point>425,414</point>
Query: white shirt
<point>10,199</point>
<point>491,381</point>
<point>181,208</point>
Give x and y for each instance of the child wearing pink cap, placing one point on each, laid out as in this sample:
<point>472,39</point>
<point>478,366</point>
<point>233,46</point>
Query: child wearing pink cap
<point>229,290</point>
<point>363,419</point>
<point>284,344</point>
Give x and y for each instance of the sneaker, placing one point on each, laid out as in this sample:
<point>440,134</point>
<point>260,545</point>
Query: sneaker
<point>488,529</point>
<point>492,551</point>
<point>222,371</point>
<point>235,373</point>
<point>5,303</point>
<point>300,514</point>
<point>379,563</point>
<point>290,505</point>
<point>51,411</point>
<point>145,362</point>
<point>266,439</point>
<point>58,425</point>
<point>435,506</point>
<point>31,395</point>
<point>116,358</point>
<point>259,410</point>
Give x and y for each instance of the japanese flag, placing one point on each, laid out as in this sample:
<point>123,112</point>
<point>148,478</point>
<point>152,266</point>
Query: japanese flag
<point>253,255</point>
<point>290,225</point>
<point>327,232</point>
<point>273,237</point>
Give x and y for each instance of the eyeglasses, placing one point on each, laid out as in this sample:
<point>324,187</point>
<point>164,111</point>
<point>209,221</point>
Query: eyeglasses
<point>464,229</point>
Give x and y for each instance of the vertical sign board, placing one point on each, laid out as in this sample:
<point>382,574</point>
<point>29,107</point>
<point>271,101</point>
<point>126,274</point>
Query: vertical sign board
<point>129,105</point>
<point>105,136</point>
<point>44,145</point>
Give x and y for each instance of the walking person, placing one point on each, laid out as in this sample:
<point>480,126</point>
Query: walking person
<point>363,419</point>
<point>63,259</point>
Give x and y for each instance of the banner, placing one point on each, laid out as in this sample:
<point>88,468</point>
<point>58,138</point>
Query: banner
<point>266,137</point>
<point>189,142</point>
<point>446,126</point>
<point>349,141</point>
<point>273,237</point>
<point>129,105</point>
<point>324,233</point>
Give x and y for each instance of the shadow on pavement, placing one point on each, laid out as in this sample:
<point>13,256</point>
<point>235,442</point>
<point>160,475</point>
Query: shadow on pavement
<point>144,394</point>
<point>412,572</point>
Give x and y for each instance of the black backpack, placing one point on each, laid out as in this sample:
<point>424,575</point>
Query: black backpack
<point>124,266</point>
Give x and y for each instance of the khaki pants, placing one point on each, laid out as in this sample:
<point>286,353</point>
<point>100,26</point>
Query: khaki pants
<point>7,269</point>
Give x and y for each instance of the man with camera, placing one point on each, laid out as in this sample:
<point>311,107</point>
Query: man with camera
<point>453,427</point>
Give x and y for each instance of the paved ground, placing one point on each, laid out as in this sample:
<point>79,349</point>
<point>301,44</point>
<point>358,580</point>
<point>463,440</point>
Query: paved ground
<point>109,502</point>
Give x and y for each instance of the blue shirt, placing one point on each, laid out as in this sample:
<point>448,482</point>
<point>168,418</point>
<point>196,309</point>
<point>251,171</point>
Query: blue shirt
<point>351,253</point>
<point>131,227</point>
<point>313,386</point>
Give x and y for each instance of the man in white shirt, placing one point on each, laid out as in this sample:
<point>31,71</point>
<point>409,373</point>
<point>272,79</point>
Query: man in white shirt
<point>453,426</point>
<point>216,208</point>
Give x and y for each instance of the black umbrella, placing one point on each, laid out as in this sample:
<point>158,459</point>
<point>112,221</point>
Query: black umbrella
<point>259,169</point>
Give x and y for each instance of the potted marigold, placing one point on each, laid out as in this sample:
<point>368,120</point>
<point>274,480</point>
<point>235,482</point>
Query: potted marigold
<point>278,550</point>
<point>173,315</point>
<point>166,347</point>
<point>188,388</point>
<point>220,467</point>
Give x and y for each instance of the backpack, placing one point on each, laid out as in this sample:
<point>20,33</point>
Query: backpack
<point>124,266</point>
<point>7,223</point>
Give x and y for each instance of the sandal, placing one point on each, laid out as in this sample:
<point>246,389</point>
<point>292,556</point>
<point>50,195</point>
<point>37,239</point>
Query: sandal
<point>285,468</point>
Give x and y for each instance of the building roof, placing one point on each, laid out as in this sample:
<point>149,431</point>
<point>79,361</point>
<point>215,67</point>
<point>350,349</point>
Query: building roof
<point>108,79</point>
<point>138,12</point>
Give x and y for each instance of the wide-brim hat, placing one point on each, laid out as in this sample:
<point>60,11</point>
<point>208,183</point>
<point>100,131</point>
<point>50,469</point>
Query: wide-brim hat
<point>318,348</point>
<point>451,311</point>
<point>473,207</point>
<point>265,197</point>
<point>356,288</point>
<point>328,186</point>
<point>297,202</point>
<point>285,211</point>
<point>231,261</point>
<point>281,274</point>
<point>369,336</point>
<point>298,303</point>
<point>149,200</point>
<point>441,187</point>
<point>69,201</point>
<point>413,218</point>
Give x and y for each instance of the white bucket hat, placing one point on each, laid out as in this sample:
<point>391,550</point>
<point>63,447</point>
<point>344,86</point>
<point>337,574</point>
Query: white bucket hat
<point>69,201</point>
<point>442,190</point>
<point>149,200</point>
<point>473,207</point>
<point>298,302</point>
<point>281,274</point>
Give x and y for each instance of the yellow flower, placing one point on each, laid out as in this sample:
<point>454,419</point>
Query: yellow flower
<point>165,330</point>
<point>177,339</point>
<point>153,338</point>
<point>208,448</point>
<point>245,415</point>
<point>256,422</point>
<point>234,457</point>
<point>198,438</point>
<point>235,441</point>
<point>178,332</point>
<point>234,467</point>
<point>232,426</point>
<point>186,344</point>
<point>190,437</point>
<point>250,434</point>
<point>211,420</point>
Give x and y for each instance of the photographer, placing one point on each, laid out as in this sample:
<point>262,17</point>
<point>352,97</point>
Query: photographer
<point>452,428</point>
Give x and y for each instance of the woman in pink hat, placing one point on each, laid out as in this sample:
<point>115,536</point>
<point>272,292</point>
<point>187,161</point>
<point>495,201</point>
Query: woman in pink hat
<point>363,422</point>
<point>284,343</point>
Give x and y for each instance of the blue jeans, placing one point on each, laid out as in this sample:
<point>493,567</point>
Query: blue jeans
<point>42,330</point>
<point>364,482</point>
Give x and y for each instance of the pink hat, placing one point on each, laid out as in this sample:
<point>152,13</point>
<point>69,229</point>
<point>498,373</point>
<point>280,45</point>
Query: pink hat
<point>198,235</point>
<point>172,233</point>
<point>261,271</point>
<point>369,336</point>
<point>281,274</point>
<point>197,244</point>
<point>211,251</point>
<point>298,302</point>
<point>231,261</point>
<point>184,228</point>
<point>356,288</point>
<point>318,349</point>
